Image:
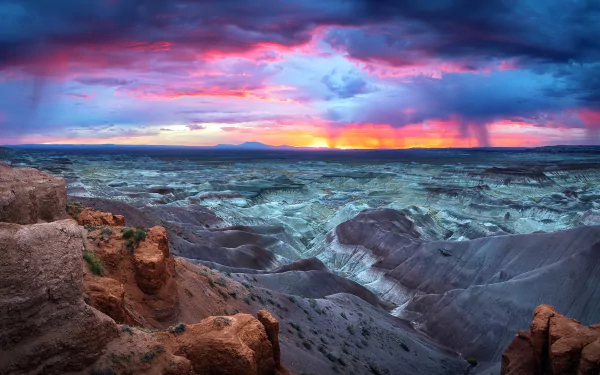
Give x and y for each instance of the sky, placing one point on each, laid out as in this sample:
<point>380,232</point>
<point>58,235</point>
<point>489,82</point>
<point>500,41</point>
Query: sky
<point>316,73</point>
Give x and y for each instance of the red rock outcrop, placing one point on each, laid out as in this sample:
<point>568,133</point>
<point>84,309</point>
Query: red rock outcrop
<point>152,261</point>
<point>554,345</point>
<point>142,272</point>
<point>218,345</point>
<point>45,326</point>
<point>108,296</point>
<point>272,328</point>
<point>28,196</point>
<point>87,216</point>
<point>224,345</point>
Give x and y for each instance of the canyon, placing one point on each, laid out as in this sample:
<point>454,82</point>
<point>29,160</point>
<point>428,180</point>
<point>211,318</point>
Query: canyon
<point>307,267</point>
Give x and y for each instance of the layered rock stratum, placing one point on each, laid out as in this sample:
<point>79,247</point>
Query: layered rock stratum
<point>471,296</point>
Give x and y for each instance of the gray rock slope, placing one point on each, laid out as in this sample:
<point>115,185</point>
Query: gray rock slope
<point>471,296</point>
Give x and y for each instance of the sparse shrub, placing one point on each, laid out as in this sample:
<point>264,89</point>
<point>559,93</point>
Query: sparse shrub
<point>134,237</point>
<point>404,346</point>
<point>376,369</point>
<point>127,329</point>
<point>177,329</point>
<point>211,282</point>
<point>95,265</point>
<point>271,301</point>
<point>345,350</point>
<point>472,361</point>
<point>365,331</point>
<point>107,231</point>
<point>307,345</point>
<point>221,281</point>
<point>128,233</point>
<point>247,286</point>
<point>292,299</point>
<point>247,300</point>
<point>233,294</point>
<point>223,294</point>
<point>148,357</point>
<point>343,314</point>
<point>341,361</point>
<point>296,326</point>
<point>224,320</point>
<point>350,329</point>
<point>140,234</point>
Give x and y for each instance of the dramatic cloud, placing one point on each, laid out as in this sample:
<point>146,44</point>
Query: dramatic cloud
<point>303,72</point>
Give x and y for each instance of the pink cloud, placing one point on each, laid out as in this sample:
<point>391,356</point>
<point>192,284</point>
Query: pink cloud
<point>81,96</point>
<point>195,127</point>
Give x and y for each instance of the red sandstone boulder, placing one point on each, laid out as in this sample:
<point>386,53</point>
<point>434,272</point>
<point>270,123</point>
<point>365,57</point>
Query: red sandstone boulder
<point>555,345</point>
<point>224,345</point>
<point>28,196</point>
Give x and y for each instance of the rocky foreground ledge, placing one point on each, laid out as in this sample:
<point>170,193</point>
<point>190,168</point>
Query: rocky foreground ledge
<point>59,307</point>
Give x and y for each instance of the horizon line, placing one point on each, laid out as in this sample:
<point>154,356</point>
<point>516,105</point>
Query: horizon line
<point>262,146</point>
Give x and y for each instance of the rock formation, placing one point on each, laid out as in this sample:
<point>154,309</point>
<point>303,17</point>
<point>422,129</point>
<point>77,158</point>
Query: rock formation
<point>47,328</point>
<point>28,196</point>
<point>554,345</point>
<point>87,216</point>
<point>272,327</point>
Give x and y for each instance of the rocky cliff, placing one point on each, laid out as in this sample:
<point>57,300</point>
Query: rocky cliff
<point>49,270</point>
<point>28,196</point>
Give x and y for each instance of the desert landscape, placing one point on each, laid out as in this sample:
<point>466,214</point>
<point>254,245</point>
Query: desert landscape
<point>302,187</point>
<point>302,266</point>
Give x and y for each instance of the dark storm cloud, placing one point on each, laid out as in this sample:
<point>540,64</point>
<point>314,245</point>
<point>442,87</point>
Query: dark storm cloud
<point>554,46</point>
<point>552,30</point>
<point>398,32</point>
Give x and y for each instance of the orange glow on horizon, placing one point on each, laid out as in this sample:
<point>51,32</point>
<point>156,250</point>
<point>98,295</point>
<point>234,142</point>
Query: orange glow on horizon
<point>433,134</point>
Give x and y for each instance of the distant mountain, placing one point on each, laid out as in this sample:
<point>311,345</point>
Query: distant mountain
<point>253,146</point>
